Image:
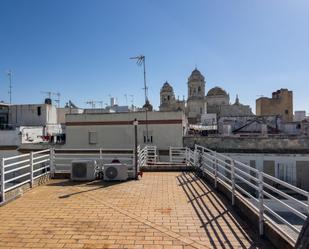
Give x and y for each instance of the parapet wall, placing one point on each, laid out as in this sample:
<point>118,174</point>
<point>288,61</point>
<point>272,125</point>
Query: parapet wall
<point>251,144</point>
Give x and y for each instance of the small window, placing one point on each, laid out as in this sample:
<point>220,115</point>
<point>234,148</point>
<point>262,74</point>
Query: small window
<point>199,89</point>
<point>93,137</point>
<point>168,97</point>
<point>39,111</point>
<point>150,137</point>
<point>286,111</point>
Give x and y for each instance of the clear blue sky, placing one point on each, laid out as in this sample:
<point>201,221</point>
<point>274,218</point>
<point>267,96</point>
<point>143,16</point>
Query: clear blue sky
<point>81,48</point>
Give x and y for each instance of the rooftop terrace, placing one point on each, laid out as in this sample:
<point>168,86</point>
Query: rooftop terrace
<point>163,210</point>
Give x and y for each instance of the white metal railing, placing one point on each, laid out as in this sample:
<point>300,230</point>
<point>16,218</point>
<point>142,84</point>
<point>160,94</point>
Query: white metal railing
<point>18,170</point>
<point>178,155</point>
<point>62,158</point>
<point>147,156</point>
<point>256,189</point>
<point>152,156</point>
<point>142,156</point>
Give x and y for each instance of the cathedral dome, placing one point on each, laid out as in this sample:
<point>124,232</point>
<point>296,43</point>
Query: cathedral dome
<point>196,75</point>
<point>216,91</point>
<point>166,87</point>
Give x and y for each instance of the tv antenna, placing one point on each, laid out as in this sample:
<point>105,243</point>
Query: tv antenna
<point>126,98</point>
<point>9,74</point>
<point>91,103</point>
<point>140,60</point>
<point>50,94</point>
<point>132,99</point>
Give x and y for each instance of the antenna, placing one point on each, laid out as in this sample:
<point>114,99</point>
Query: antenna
<point>57,100</point>
<point>140,60</point>
<point>132,99</point>
<point>9,74</point>
<point>126,97</point>
<point>50,94</point>
<point>91,103</point>
<point>101,104</point>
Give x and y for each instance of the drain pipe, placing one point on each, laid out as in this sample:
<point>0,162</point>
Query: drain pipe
<point>135,123</point>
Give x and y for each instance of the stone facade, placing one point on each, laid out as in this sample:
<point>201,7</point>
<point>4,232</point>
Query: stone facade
<point>168,103</point>
<point>196,103</point>
<point>217,101</point>
<point>281,103</point>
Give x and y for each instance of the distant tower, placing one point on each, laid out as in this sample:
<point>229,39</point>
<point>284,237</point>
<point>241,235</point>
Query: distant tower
<point>167,97</point>
<point>196,103</point>
<point>237,100</point>
<point>196,85</point>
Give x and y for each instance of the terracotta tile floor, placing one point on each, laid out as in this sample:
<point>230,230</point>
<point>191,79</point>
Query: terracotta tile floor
<point>163,210</point>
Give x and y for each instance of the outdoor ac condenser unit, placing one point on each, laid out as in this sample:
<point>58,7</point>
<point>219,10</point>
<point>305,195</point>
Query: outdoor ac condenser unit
<point>115,172</point>
<point>83,170</point>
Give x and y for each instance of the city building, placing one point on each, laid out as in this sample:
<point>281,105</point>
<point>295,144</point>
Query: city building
<point>281,103</point>
<point>4,115</point>
<point>69,108</point>
<point>217,100</point>
<point>29,123</point>
<point>299,116</point>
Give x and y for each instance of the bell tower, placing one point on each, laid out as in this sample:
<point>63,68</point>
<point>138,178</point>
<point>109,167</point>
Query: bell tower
<point>196,85</point>
<point>196,103</point>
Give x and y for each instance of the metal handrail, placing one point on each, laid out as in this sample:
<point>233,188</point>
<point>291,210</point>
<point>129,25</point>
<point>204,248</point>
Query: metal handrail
<point>21,171</point>
<point>239,181</point>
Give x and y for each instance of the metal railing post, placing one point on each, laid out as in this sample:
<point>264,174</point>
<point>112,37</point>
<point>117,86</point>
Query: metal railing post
<point>2,181</point>
<point>216,172</point>
<point>233,181</point>
<point>101,153</point>
<point>170,153</point>
<point>308,202</point>
<point>186,154</point>
<point>261,204</point>
<point>194,157</point>
<point>31,169</point>
<point>52,162</point>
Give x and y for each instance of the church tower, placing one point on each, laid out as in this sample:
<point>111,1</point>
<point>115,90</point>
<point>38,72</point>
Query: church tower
<point>167,97</point>
<point>196,103</point>
<point>196,85</point>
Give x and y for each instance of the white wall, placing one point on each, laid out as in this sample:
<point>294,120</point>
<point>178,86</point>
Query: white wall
<point>61,112</point>
<point>287,160</point>
<point>27,115</point>
<point>116,130</point>
<point>31,134</point>
<point>9,138</point>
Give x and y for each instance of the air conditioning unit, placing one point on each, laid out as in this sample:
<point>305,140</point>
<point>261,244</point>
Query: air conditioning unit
<point>115,172</point>
<point>83,170</point>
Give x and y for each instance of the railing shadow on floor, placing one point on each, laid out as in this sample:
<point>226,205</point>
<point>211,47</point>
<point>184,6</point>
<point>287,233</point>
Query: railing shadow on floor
<point>99,183</point>
<point>201,196</point>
